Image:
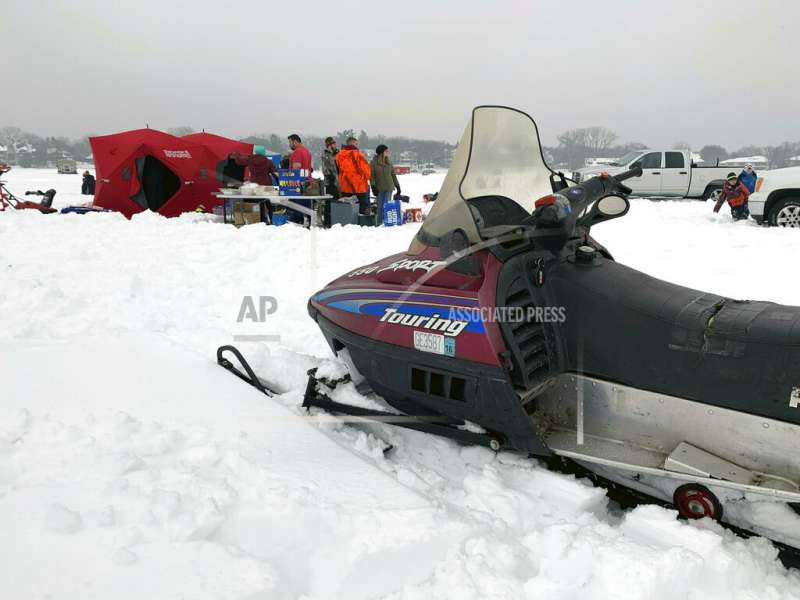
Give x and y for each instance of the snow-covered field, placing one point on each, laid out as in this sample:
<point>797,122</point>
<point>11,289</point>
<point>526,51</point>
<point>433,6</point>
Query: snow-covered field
<point>131,466</point>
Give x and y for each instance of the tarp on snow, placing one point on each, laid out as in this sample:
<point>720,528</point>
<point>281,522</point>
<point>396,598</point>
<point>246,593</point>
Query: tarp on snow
<point>147,169</point>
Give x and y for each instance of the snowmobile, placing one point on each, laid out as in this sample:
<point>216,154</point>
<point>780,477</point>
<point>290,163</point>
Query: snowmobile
<point>7,199</point>
<point>506,324</point>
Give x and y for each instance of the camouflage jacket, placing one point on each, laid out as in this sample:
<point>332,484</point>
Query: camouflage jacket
<point>329,168</point>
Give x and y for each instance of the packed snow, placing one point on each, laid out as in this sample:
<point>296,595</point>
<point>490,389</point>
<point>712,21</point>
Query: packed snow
<point>132,466</point>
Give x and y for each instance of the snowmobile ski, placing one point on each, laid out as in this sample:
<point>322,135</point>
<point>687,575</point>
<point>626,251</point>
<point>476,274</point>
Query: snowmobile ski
<point>434,424</point>
<point>248,376</point>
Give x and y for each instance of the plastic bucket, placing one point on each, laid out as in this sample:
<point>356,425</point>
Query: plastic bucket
<point>279,218</point>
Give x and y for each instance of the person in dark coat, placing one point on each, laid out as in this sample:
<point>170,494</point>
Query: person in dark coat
<point>259,165</point>
<point>382,179</point>
<point>87,186</point>
<point>735,193</point>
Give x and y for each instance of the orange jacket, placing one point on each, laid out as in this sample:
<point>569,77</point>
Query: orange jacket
<point>354,171</point>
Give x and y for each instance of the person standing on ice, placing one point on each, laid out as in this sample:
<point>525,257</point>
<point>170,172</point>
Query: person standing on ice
<point>329,169</point>
<point>300,157</point>
<point>382,179</point>
<point>735,193</point>
<point>259,166</point>
<point>88,184</point>
<point>354,174</point>
<point>748,177</point>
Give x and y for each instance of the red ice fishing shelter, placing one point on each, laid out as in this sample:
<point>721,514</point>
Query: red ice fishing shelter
<point>147,169</point>
<point>215,159</point>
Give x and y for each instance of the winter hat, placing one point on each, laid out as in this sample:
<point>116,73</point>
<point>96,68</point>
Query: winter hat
<point>381,149</point>
<point>260,150</point>
<point>731,177</point>
<point>329,140</point>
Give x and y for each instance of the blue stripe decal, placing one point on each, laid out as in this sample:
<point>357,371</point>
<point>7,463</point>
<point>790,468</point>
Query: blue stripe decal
<point>399,294</point>
<point>403,297</point>
<point>377,309</point>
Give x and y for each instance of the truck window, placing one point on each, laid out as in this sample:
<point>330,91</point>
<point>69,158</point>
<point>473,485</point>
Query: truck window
<point>651,160</point>
<point>674,160</point>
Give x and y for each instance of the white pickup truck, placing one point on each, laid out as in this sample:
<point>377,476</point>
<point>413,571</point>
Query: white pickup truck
<point>776,200</point>
<point>664,173</point>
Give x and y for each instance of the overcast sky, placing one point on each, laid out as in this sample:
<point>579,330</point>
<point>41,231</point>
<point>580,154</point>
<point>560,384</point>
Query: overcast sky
<point>701,71</point>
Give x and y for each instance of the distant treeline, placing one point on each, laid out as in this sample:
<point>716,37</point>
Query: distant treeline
<point>577,145</point>
<point>574,147</point>
<point>31,150</point>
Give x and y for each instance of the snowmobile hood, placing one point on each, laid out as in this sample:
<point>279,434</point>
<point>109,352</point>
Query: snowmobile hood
<point>499,165</point>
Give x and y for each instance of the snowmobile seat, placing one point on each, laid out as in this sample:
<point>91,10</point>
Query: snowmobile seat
<point>742,355</point>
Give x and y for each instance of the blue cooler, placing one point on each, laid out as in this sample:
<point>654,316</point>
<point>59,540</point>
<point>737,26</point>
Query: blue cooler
<point>391,213</point>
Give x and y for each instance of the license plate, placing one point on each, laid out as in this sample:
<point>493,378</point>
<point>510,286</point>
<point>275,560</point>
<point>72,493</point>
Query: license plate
<point>429,342</point>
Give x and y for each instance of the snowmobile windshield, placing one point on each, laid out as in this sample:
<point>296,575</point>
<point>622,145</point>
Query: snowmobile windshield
<point>497,174</point>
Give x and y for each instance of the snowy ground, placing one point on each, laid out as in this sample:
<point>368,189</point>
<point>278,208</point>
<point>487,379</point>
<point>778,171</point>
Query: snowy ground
<point>131,466</point>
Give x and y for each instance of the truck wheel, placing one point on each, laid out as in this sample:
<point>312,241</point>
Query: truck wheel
<point>695,501</point>
<point>785,213</point>
<point>712,193</point>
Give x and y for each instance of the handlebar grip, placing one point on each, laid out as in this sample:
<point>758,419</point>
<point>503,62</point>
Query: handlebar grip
<point>635,172</point>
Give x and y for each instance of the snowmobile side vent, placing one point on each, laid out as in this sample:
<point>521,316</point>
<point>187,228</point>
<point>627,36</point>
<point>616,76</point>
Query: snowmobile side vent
<point>419,380</point>
<point>438,384</point>
<point>526,339</point>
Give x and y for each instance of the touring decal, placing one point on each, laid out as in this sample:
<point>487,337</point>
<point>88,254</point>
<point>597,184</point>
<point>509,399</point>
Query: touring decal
<point>434,322</point>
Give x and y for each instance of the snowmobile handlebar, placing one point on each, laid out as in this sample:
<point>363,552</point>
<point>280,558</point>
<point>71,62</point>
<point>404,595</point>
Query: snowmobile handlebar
<point>635,172</point>
<point>556,222</point>
<point>583,195</point>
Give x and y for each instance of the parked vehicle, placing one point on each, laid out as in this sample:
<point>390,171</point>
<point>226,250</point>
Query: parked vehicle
<point>664,173</point>
<point>66,166</point>
<point>776,200</point>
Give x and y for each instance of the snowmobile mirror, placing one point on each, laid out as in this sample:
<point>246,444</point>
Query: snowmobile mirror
<point>612,206</point>
<point>608,207</point>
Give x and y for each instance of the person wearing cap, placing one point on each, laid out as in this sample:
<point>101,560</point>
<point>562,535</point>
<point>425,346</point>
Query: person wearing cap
<point>300,157</point>
<point>382,179</point>
<point>735,193</point>
<point>88,184</point>
<point>329,169</point>
<point>748,177</point>
<point>260,168</point>
<point>354,174</point>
